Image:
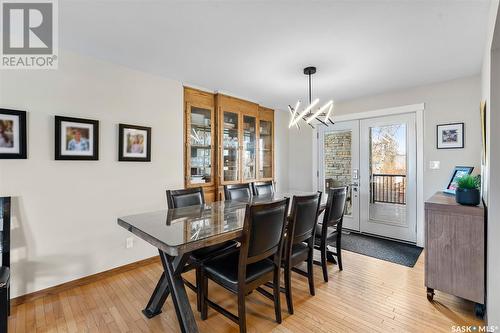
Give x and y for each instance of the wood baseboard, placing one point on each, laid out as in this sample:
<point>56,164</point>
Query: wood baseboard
<point>82,281</point>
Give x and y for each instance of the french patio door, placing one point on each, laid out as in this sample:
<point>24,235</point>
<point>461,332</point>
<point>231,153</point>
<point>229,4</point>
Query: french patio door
<point>376,158</point>
<point>339,165</point>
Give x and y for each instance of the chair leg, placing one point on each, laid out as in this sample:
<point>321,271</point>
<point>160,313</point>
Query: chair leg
<point>242,311</point>
<point>4,317</point>
<point>288,289</point>
<point>199,288</point>
<point>339,252</point>
<point>323,260</point>
<point>276,294</point>
<point>204,297</point>
<point>8,300</point>
<point>310,272</point>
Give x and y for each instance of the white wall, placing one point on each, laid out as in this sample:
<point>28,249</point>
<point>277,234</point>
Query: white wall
<point>451,101</point>
<point>301,158</point>
<point>282,153</point>
<point>65,211</point>
<point>490,82</point>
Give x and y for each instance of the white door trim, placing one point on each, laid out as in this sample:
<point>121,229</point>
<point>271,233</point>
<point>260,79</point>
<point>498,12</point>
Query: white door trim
<point>380,112</point>
<point>418,109</point>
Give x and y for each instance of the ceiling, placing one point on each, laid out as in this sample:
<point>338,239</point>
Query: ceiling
<point>257,49</point>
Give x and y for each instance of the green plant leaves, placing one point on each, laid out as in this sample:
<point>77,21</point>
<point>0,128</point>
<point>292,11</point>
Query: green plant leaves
<point>469,182</point>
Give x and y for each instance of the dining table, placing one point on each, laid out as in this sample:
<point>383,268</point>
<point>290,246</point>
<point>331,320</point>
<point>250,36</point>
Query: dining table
<point>178,232</point>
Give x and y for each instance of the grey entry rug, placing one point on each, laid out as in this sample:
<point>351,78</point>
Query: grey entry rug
<point>384,249</point>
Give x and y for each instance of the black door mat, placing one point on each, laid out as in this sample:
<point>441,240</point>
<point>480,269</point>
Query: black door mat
<point>384,249</point>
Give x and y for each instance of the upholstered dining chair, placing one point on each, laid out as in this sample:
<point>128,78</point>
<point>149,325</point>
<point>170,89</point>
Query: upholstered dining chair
<point>300,241</point>
<point>331,228</point>
<point>263,187</point>
<point>238,191</point>
<point>256,262</point>
<point>195,197</point>
<point>5,267</point>
<point>185,197</point>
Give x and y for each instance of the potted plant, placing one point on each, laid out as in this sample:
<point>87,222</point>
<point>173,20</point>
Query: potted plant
<point>467,192</point>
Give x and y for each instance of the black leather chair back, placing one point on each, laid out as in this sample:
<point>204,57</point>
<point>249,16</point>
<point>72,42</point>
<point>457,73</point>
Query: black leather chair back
<point>184,198</point>
<point>263,188</point>
<point>263,231</point>
<point>5,231</point>
<point>303,217</point>
<point>335,206</point>
<point>238,192</point>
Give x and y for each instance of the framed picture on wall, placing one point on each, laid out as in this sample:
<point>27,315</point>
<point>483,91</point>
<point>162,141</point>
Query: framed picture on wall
<point>134,143</point>
<point>76,139</point>
<point>450,136</point>
<point>13,136</point>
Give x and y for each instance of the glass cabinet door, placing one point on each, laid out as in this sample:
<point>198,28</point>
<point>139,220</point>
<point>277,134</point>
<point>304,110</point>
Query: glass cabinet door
<point>200,145</point>
<point>265,149</point>
<point>230,147</point>
<point>249,148</point>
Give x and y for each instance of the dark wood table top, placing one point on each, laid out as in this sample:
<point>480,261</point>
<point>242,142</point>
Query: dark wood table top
<point>180,230</point>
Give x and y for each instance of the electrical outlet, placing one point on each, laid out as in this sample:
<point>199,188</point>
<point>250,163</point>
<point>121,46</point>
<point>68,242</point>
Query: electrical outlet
<point>129,242</point>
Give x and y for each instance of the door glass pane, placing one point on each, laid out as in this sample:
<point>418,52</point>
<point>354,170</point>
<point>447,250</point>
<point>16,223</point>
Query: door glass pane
<point>230,147</point>
<point>266,149</point>
<point>201,146</point>
<point>338,163</point>
<point>249,150</point>
<point>388,170</point>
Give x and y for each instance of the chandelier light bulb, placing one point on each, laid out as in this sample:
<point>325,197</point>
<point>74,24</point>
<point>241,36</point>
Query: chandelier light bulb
<point>294,113</point>
<point>327,118</point>
<point>306,110</point>
<point>320,111</point>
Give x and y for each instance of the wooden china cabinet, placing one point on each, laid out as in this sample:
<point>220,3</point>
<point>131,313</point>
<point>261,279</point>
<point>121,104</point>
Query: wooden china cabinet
<point>266,144</point>
<point>228,141</point>
<point>200,141</point>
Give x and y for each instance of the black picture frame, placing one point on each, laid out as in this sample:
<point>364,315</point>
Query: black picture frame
<point>439,143</point>
<point>122,157</point>
<point>464,170</point>
<point>60,155</point>
<point>23,135</point>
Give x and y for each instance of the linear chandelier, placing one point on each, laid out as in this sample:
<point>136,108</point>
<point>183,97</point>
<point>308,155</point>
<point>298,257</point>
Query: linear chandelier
<point>310,113</point>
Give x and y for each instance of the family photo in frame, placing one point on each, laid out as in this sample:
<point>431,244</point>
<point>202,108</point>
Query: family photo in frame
<point>13,136</point>
<point>76,139</point>
<point>134,143</point>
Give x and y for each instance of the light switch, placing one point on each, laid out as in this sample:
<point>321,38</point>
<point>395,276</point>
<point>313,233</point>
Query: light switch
<point>434,165</point>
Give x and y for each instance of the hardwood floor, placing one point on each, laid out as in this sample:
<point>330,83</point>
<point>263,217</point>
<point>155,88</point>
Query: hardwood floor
<point>369,295</point>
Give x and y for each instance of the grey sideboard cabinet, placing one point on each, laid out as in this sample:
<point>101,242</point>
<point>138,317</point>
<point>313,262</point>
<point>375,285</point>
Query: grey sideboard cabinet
<point>455,249</point>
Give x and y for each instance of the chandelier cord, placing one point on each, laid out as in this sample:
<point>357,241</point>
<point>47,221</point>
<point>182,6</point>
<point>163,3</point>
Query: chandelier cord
<point>310,90</point>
